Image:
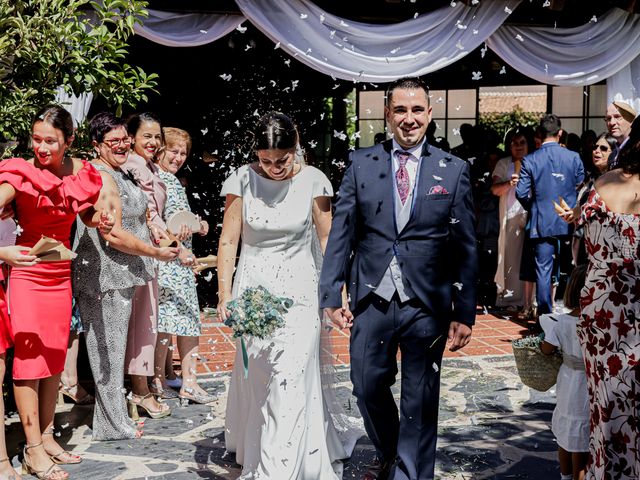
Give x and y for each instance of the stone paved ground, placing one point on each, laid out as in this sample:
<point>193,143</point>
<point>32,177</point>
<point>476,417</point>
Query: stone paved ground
<point>491,427</point>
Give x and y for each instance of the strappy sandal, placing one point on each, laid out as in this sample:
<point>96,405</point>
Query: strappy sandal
<point>197,397</point>
<point>51,473</point>
<point>58,457</point>
<point>67,391</point>
<point>136,401</point>
<point>163,393</point>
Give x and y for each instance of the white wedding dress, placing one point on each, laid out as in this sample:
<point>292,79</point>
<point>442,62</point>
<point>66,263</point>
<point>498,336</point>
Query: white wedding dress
<point>276,421</point>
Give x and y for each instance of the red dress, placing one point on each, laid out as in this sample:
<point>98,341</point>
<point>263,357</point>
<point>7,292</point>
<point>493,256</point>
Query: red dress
<point>40,296</point>
<point>6,337</point>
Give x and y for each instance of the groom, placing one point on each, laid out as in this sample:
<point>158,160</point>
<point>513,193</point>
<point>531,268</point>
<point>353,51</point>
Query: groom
<point>403,243</point>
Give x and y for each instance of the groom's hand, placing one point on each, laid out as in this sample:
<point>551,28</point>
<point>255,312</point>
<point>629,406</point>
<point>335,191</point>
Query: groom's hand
<point>459,336</point>
<point>341,317</point>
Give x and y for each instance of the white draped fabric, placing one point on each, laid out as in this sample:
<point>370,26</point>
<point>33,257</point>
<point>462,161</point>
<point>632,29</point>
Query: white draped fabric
<point>624,86</point>
<point>186,29</point>
<point>380,53</point>
<point>376,53</point>
<point>77,106</point>
<point>571,56</point>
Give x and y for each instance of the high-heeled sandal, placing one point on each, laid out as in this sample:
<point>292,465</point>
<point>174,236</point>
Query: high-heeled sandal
<point>197,397</point>
<point>136,401</point>
<point>57,458</point>
<point>526,313</point>
<point>48,474</point>
<point>67,391</point>
<point>163,393</point>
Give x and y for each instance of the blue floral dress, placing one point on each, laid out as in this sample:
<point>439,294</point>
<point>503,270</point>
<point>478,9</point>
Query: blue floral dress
<point>178,309</point>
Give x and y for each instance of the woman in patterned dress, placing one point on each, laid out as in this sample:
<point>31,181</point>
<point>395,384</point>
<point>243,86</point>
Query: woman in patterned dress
<point>178,309</point>
<point>107,273</point>
<point>610,330</point>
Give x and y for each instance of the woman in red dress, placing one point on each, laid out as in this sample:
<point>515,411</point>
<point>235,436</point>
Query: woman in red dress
<point>16,257</point>
<point>48,192</point>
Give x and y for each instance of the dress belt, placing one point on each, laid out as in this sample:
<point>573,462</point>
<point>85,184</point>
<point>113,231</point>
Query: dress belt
<point>573,362</point>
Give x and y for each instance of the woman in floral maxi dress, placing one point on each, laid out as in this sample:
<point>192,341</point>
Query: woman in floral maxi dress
<point>610,329</point>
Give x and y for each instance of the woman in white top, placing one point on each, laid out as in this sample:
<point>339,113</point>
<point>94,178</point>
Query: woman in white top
<point>275,420</point>
<point>513,219</point>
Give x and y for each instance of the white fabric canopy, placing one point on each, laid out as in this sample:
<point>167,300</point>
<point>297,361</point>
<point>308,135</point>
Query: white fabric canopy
<point>376,53</point>
<point>571,56</point>
<point>186,29</point>
<point>380,53</point>
<point>78,107</point>
<point>624,86</point>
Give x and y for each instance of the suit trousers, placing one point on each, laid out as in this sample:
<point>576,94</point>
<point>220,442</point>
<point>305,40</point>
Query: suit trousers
<point>379,329</point>
<point>547,249</point>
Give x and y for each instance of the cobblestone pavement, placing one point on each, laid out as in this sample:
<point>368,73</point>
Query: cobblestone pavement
<point>491,427</point>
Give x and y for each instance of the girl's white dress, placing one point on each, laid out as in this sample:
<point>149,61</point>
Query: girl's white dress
<point>570,421</point>
<point>276,422</point>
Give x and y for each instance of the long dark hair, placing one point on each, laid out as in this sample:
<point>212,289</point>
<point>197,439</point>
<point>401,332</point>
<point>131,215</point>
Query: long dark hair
<point>58,118</point>
<point>135,121</point>
<point>275,130</point>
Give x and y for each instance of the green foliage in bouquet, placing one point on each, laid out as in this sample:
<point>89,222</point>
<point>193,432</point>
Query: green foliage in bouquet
<point>257,312</point>
<point>79,44</point>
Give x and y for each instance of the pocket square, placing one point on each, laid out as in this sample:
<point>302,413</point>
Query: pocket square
<point>438,190</point>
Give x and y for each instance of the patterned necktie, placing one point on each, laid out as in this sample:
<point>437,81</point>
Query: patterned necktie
<point>402,175</point>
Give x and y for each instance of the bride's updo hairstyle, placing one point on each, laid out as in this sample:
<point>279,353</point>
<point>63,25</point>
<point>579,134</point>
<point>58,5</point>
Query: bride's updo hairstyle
<point>275,131</point>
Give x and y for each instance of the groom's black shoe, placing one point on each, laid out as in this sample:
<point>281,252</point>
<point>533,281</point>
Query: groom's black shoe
<point>378,470</point>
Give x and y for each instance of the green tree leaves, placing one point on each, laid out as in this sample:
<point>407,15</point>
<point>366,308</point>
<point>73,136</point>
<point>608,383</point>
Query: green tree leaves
<point>80,44</point>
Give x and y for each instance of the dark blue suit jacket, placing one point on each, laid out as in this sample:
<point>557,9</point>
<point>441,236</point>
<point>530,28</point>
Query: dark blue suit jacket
<point>436,249</point>
<point>549,172</point>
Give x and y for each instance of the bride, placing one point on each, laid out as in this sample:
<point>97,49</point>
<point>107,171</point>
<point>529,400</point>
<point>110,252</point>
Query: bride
<point>276,420</point>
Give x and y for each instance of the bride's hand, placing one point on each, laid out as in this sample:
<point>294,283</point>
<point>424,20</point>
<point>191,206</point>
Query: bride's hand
<point>223,312</point>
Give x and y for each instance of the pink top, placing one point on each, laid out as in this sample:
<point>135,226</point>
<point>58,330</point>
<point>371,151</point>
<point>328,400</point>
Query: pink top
<point>148,179</point>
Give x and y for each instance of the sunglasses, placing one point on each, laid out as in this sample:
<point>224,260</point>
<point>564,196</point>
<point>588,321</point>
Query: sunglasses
<point>603,148</point>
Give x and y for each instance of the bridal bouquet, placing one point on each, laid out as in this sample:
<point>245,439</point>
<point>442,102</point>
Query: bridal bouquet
<point>258,313</point>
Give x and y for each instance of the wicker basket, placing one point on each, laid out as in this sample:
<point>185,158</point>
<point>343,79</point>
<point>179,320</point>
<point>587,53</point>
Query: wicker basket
<point>536,370</point>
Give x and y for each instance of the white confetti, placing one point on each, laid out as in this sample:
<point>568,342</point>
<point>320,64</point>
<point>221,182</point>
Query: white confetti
<point>503,70</point>
<point>458,285</point>
<point>437,178</point>
<point>203,31</point>
<point>241,29</point>
<point>519,37</point>
<point>508,293</point>
<point>276,46</point>
<point>456,131</point>
<point>435,367</point>
<point>18,231</point>
<point>476,75</point>
<point>303,16</point>
<point>508,11</point>
<point>204,131</point>
<point>559,176</point>
<point>546,3</point>
<point>442,163</point>
<point>594,19</point>
<point>453,221</point>
<point>226,76</point>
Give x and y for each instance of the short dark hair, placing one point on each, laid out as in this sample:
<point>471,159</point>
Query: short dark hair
<point>102,123</point>
<point>550,125</point>
<point>519,131</point>
<point>406,83</point>
<point>574,286</point>
<point>58,118</point>
<point>275,130</point>
<point>135,121</point>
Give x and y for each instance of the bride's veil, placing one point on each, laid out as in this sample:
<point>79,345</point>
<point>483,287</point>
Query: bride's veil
<point>348,427</point>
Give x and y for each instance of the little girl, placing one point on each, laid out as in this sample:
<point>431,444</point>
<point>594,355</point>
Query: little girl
<point>570,422</point>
